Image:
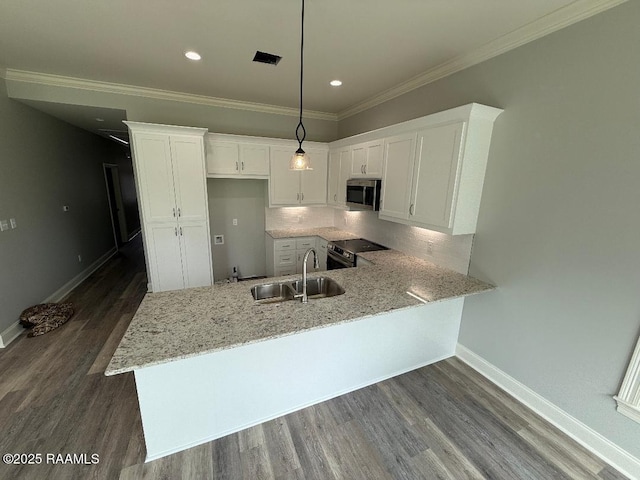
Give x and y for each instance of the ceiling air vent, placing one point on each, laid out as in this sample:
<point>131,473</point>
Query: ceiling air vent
<point>267,58</point>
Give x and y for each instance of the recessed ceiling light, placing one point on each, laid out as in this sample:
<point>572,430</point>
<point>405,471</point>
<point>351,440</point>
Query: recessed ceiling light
<point>335,83</point>
<point>99,119</point>
<point>191,55</point>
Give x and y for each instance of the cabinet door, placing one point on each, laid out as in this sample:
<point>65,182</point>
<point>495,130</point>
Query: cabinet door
<point>254,159</point>
<point>284,184</point>
<point>165,263</point>
<point>190,179</point>
<point>333,177</point>
<point>222,158</point>
<point>196,254</point>
<point>345,174</point>
<point>375,155</point>
<point>435,174</point>
<point>399,154</point>
<point>358,160</point>
<point>300,258</point>
<point>322,253</point>
<point>152,154</point>
<point>313,183</point>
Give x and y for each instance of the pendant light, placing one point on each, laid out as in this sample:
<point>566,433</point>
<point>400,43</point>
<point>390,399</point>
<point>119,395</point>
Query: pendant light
<point>300,159</point>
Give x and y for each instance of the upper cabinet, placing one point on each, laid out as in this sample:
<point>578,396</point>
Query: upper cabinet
<point>433,176</point>
<point>231,156</point>
<point>367,159</point>
<point>339,173</point>
<point>295,188</point>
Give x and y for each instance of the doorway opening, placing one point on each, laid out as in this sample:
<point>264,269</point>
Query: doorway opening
<point>116,207</point>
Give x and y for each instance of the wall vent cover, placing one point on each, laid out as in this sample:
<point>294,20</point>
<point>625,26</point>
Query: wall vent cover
<point>268,58</point>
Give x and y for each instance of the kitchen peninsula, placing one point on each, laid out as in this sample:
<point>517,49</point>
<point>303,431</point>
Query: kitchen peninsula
<point>210,361</point>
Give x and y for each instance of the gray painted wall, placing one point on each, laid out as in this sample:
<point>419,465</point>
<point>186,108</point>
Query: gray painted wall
<point>45,164</point>
<point>559,224</point>
<point>243,246</point>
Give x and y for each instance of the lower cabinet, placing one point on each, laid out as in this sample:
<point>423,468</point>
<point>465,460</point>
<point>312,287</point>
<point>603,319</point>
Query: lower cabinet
<point>285,255</point>
<point>179,255</point>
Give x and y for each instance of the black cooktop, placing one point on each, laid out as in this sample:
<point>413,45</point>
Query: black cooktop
<point>358,245</point>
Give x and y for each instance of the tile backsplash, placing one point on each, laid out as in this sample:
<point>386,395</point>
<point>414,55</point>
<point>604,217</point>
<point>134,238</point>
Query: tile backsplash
<point>298,217</point>
<point>453,252</point>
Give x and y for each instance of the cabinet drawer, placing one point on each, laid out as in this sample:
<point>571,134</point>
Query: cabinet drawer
<point>284,259</point>
<point>305,243</point>
<point>284,244</point>
<point>280,272</point>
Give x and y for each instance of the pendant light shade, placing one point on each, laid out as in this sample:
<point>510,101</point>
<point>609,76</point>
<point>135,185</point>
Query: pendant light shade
<point>300,160</point>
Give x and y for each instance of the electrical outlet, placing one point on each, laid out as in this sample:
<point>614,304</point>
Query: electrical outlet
<point>218,239</point>
<point>4,225</point>
<point>65,208</point>
<point>13,223</point>
<point>430,247</point>
<point>235,222</point>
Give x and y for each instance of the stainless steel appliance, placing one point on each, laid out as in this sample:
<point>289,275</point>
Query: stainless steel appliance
<point>343,253</point>
<point>363,194</point>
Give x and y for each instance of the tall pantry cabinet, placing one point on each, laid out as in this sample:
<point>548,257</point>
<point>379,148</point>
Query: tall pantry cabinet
<point>170,171</point>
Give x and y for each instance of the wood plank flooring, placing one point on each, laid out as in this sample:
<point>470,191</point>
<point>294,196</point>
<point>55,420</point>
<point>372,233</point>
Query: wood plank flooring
<point>444,421</point>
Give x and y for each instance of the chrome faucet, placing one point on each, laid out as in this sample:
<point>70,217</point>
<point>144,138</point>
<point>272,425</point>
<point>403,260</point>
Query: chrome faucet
<point>316,265</point>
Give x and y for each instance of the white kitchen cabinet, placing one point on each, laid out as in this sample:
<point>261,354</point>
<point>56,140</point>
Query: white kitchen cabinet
<point>438,183</point>
<point>399,152</point>
<point>285,255</point>
<point>229,157</point>
<point>367,159</point>
<point>339,173</point>
<point>321,248</point>
<point>293,188</point>
<point>302,246</point>
<point>170,172</point>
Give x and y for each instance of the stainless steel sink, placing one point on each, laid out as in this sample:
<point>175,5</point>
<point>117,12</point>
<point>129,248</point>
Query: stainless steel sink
<point>319,287</point>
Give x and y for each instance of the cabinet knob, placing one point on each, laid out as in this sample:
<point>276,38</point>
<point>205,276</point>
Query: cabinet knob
<point>179,212</point>
<point>364,167</point>
<point>174,211</point>
<point>411,209</point>
<point>181,231</point>
<point>335,197</point>
<point>175,230</point>
<point>298,196</point>
<point>302,196</point>
<point>237,166</point>
<point>242,165</point>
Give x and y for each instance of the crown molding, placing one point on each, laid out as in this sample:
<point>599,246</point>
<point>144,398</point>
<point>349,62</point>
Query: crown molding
<point>122,89</point>
<point>561,18</point>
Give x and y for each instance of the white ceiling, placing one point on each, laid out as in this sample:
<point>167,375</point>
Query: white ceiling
<point>371,45</point>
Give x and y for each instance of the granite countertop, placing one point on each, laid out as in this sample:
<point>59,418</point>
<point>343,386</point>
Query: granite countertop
<point>330,234</point>
<point>170,326</point>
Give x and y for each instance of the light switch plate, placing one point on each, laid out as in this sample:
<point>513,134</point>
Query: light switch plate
<point>4,225</point>
<point>13,223</point>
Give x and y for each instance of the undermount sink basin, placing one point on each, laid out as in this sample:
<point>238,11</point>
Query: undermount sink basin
<point>318,287</point>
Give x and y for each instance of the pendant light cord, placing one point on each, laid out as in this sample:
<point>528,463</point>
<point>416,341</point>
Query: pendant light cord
<point>300,125</point>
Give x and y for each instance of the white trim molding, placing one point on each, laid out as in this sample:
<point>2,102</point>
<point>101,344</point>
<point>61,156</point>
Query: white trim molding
<point>563,17</point>
<point>10,334</point>
<point>574,428</point>
<point>629,396</point>
<point>47,79</point>
<point>14,331</point>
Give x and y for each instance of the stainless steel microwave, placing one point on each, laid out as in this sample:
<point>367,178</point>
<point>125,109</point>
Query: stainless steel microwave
<point>363,194</point>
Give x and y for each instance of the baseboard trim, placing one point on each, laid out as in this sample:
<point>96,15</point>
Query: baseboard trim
<point>14,331</point>
<point>68,287</point>
<point>10,334</point>
<point>581,433</point>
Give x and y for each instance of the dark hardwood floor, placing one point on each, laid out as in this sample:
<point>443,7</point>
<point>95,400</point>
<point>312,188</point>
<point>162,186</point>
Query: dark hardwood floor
<point>444,421</point>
